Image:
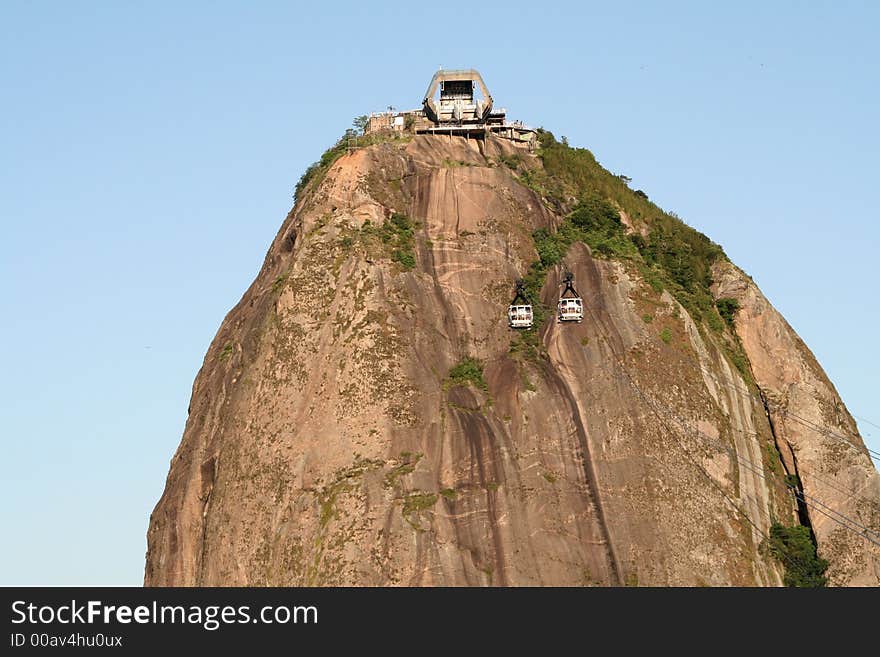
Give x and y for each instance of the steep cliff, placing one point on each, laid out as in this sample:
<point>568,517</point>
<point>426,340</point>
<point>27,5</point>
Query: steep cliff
<point>365,417</point>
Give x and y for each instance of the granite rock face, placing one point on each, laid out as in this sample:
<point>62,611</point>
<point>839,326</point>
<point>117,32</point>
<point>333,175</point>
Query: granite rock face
<point>326,444</point>
<point>817,438</point>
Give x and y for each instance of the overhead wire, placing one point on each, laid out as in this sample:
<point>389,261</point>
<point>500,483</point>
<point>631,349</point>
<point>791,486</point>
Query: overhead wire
<point>784,556</point>
<point>848,441</point>
<point>816,504</point>
<point>788,559</point>
<point>809,424</point>
<point>833,485</point>
<point>808,500</point>
<point>867,421</point>
<point>874,454</point>
<point>813,503</point>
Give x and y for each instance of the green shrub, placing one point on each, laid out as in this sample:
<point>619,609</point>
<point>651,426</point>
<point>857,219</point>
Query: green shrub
<point>793,546</point>
<point>351,138</point>
<point>415,502</point>
<point>526,382</point>
<point>653,277</point>
<point>359,123</point>
<point>278,283</point>
<point>398,232</point>
<point>454,164</point>
<point>714,321</point>
<point>684,253</point>
<point>527,344</point>
<point>396,237</point>
<point>638,241</point>
<point>550,247</point>
<point>226,352</point>
<point>398,226</point>
<point>772,456</point>
<point>741,362</point>
<point>510,161</point>
<point>594,213</point>
<point>405,259</point>
<point>666,335</point>
<point>674,256</point>
<point>727,308</point>
<point>317,170</point>
<point>468,372</point>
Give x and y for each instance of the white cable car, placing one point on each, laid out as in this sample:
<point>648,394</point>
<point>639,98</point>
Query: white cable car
<point>571,306</point>
<point>520,315</point>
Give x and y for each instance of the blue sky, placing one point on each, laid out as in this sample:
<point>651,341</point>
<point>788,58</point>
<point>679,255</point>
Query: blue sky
<point>148,153</point>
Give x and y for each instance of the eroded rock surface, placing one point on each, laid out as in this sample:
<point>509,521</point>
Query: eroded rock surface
<point>325,445</point>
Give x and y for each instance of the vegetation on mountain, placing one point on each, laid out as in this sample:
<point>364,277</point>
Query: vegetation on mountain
<point>794,547</point>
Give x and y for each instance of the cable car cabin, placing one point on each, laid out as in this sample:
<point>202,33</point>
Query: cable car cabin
<point>571,309</point>
<point>571,306</point>
<point>520,316</point>
<point>519,312</point>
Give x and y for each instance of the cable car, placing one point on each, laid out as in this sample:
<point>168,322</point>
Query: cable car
<point>520,315</point>
<point>571,306</point>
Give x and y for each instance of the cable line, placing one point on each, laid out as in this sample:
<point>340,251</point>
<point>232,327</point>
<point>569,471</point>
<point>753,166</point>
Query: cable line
<point>840,518</point>
<point>814,503</point>
<point>809,424</point>
<point>858,417</point>
<point>783,556</point>
<point>834,486</point>
<point>809,500</point>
